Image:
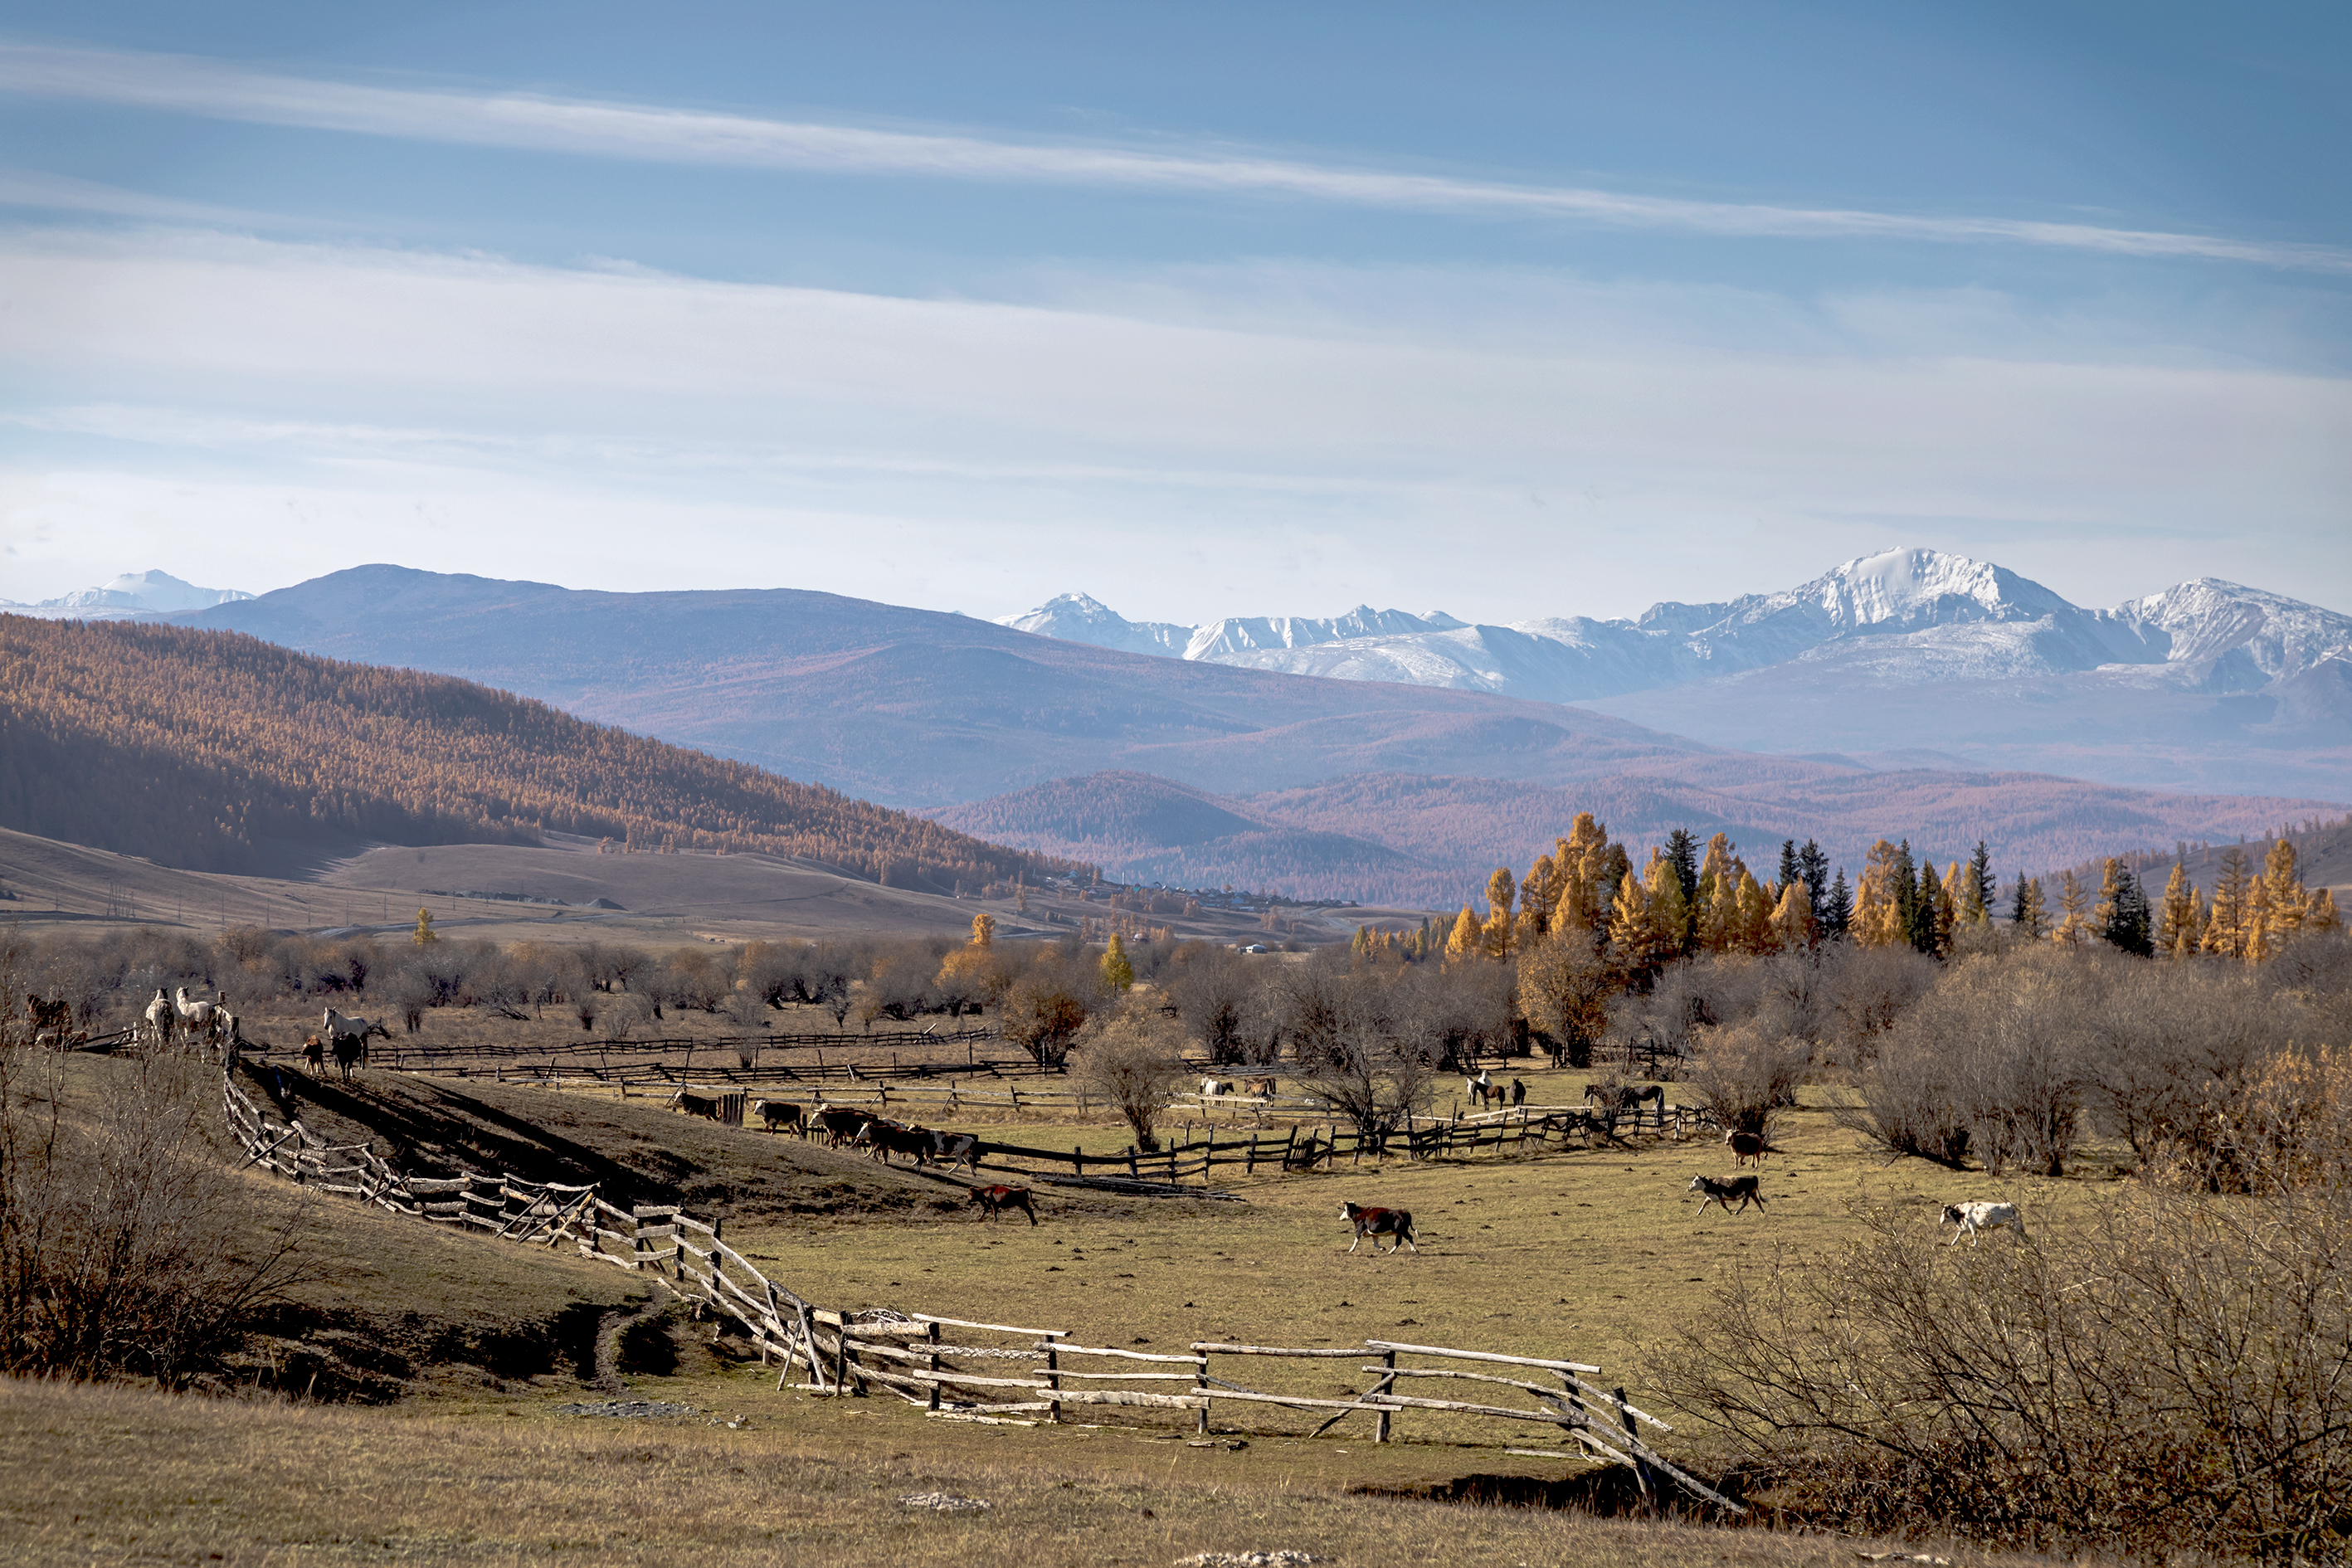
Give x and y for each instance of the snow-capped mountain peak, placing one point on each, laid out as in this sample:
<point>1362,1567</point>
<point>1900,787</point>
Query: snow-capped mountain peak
<point>131,596</point>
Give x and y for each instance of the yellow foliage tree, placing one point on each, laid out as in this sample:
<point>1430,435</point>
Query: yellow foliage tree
<point>1669,916</point>
<point>2074,911</point>
<point>1502,892</point>
<point>425,934</point>
<point>2225,923</point>
<point>1581,890</point>
<point>1753,920</point>
<point>1877,909</point>
<point>1117,973</point>
<point>2258,933</point>
<point>1467,941</point>
<point>1631,930</point>
<point>984,929</point>
<point>2288,900</point>
<point>1792,921</point>
<point>2177,925</point>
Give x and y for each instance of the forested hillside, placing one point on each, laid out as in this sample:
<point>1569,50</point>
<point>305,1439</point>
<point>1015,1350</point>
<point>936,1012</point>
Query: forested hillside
<point>211,749</point>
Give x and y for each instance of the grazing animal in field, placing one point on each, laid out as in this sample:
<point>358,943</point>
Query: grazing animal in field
<point>1746,1148</point>
<point>779,1113</point>
<point>1980,1216</point>
<point>887,1138</point>
<point>1519,1092</point>
<point>1211,1088</point>
<point>1395,1223</point>
<point>351,1052</point>
<point>1480,1088</point>
<point>1723,1189</point>
<point>994,1201</point>
<point>956,1149</point>
<point>314,1051</point>
<point>52,1019</point>
<point>1624,1097</point>
<point>837,1124</point>
<point>703,1105</point>
<point>1262,1087</point>
<point>160,1017</point>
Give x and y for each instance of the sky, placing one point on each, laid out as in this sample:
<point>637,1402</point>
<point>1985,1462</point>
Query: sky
<point>1211,310</point>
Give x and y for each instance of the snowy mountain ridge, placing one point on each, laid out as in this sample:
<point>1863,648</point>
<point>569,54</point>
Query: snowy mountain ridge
<point>2209,685</point>
<point>1904,615</point>
<point>134,595</point>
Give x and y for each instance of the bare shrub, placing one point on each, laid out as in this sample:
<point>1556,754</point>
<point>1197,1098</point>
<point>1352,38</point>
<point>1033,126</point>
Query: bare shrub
<point>1747,1074</point>
<point>1046,1008</point>
<point>1989,1064</point>
<point>1134,1059</point>
<point>1368,1043</point>
<point>1220,996</point>
<point>127,1245</point>
<point>2178,1372</point>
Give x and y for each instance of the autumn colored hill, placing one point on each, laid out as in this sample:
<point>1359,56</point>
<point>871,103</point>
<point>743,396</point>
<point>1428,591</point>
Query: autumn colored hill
<point>214,751</point>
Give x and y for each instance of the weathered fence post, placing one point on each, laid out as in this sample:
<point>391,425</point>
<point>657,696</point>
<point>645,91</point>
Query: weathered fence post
<point>1052,1382</point>
<point>1381,1429</point>
<point>933,1365</point>
<point>1634,1446</point>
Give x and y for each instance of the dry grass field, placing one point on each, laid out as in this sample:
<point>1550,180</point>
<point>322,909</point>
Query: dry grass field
<point>470,1344</point>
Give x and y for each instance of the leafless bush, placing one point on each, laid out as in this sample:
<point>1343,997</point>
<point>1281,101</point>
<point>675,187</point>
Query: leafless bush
<point>127,1243</point>
<point>2179,1371</point>
<point>1565,989</point>
<point>1990,1063</point>
<point>1747,1074</point>
<point>1220,995</point>
<point>1368,1043</point>
<point>1133,1058</point>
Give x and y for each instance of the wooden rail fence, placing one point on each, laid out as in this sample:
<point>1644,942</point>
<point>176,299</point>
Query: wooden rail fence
<point>1010,1374</point>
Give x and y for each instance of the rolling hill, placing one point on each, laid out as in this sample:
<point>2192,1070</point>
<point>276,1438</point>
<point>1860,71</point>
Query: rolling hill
<point>214,751</point>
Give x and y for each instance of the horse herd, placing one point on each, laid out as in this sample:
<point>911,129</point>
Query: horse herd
<point>177,1018</point>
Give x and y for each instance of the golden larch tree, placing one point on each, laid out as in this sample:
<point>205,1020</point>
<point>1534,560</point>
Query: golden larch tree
<point>2177,923</point>
<point>2073,911</point>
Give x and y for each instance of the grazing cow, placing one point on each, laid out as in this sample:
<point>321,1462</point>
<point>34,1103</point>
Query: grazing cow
<point>994,1201</point>
<point>1396,1223</point>
<point>887,1138</point>
<point>1723,1189</point>
<point>350,1051</point>
<point>838,1125</point>
<point>779,1113</point>
<point>1974,1217</point>
<point>314,1051</point>
<point>703,1105</point>
<point>956,1149</point>
<point>1747,1147</point>
<point>1519,1092</point>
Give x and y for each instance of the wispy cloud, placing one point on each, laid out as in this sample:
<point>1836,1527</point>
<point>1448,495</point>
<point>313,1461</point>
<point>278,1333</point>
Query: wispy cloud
<point>62,193</point>
<point>189,85</point>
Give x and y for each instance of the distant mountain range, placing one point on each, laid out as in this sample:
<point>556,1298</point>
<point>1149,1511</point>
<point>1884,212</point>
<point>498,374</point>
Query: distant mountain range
<point>1191,771</point>
<point>2208,685</point>
<point>133,596</point>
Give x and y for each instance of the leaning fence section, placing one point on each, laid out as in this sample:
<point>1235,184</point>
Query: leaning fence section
<point>964,1370</point>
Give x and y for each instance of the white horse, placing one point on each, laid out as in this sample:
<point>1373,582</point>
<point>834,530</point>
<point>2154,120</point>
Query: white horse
<point>195,1018</point>
<point>158,1018</point>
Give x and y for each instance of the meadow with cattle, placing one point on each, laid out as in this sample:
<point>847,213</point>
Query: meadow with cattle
<point>2018,1244</point>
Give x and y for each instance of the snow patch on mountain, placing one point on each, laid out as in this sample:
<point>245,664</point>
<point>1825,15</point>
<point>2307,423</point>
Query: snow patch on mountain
<point>134,595</point>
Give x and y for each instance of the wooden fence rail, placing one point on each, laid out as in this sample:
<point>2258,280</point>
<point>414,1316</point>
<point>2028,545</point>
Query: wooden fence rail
<point>846,1353</point>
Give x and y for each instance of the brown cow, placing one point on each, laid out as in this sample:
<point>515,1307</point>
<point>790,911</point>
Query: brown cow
<point>994,1201</point>
<point>1396,1223</point>
<point>1746,1148</point>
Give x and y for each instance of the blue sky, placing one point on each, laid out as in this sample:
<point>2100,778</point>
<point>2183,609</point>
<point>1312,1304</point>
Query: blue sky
<point>1207,309</point>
